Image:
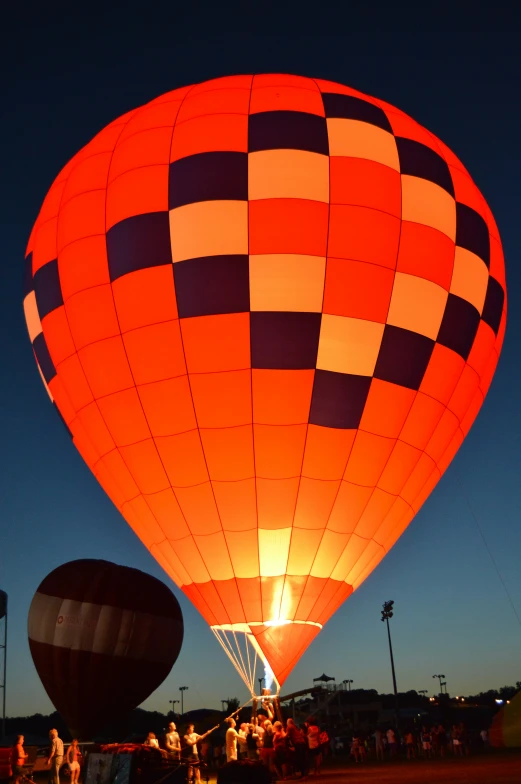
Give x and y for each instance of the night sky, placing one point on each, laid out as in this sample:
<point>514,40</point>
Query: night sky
<point>67,77</point>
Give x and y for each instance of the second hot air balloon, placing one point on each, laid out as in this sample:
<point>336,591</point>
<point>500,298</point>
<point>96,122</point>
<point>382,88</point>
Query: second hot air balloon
<point>268,309</point>
<point>102,638</point>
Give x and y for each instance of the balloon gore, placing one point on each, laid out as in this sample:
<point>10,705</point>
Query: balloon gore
<point>268,309</point>
<point>102,638</point>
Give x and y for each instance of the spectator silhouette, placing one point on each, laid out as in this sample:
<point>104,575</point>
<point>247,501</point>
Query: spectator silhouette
<point>244,771</point>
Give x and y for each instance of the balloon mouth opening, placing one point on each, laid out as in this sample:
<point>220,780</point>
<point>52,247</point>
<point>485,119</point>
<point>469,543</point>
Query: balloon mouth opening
<point>246,655</point>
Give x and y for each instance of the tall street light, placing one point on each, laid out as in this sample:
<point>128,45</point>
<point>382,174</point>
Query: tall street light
<point>349,681</point>
<point>439,677</point>
<point>387,613</point>
<point>172,703</point>
<point>182,689</point>
<point>3,646</point>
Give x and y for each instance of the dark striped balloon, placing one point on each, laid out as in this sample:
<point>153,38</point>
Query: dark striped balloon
<point>103,637</point>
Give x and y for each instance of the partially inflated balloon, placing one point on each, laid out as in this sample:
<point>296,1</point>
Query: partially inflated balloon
<point>268,310</point>
<point>102,638</point>
<point>505,730</point>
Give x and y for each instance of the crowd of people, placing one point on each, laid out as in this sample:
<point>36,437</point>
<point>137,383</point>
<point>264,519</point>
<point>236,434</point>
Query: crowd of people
<point>285,749</point>
<point>282,749</point>
<point>55,759</point>
<point>427,742</point>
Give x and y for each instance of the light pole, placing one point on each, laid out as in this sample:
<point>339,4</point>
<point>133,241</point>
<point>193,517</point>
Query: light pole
<point>3,646</point>
<point>223,703</point>
<point>172,703</point>
<point>349,681</point>
<point>182,689</point>
<point>387,613</point>
<point>439,677</point>
<point>260,685</point>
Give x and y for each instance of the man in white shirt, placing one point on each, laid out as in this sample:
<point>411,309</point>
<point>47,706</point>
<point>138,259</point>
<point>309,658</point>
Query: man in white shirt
<point>55,758</point>
<point>231,740</point>
<point>191,739</point>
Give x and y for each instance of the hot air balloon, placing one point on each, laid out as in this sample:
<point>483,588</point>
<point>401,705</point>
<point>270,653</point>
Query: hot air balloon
<point>268,309</point>
<point>102,638</point>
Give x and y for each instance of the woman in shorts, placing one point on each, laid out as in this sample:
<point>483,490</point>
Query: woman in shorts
<point>73,757</point>
<point>426,742</point>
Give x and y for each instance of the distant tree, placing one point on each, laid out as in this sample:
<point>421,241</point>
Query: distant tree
<point>232,704</point>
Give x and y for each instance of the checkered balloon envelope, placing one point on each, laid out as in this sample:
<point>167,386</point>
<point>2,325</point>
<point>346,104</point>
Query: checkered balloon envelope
<point>268,309</point>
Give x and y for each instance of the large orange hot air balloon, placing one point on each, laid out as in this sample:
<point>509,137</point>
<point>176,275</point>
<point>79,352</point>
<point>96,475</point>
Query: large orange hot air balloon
<point>102,638</point>
<point>268,309</point>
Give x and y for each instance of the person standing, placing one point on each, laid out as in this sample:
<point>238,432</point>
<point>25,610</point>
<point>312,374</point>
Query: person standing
<point>442,740</point>
<point>313,738</point>
<point>435,741</point>
<point>280,749</point>
<point>55,758</point>
<point>231,740</point>
<point>18,757</point>
<point>191,738</point>
<point>426,742</point>
<point>355,747</point>
<point>173,743</point>
<point>73,757</point>
<point>391,742</point>
<point>217,754</point>
<point>251,743</point>
<point>410,745</point>
<point>325,743</point>
<point>267,751</point>
<point>259,729</point>
<point>457,748</point>
<point>299,743</point>
<point>484,738</point>
<point>379,743</point>
<point>242,747</point>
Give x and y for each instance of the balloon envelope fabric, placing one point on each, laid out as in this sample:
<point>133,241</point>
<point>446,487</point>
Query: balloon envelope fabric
<point>505,730</point>
<point>268,309</point>
<point>102,638</point>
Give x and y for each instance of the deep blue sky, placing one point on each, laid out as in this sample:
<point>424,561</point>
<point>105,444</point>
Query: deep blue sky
<point>68,77</point>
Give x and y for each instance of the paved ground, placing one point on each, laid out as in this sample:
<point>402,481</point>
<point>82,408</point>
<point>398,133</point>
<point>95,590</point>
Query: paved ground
<point>494,768</point>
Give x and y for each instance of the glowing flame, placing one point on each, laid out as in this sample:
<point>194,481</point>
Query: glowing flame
<point>278,622</point>
<point>268,676</point>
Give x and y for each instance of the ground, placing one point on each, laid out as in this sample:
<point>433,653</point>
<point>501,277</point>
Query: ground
<point>494,768</point>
